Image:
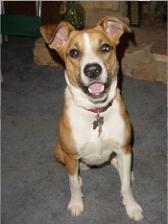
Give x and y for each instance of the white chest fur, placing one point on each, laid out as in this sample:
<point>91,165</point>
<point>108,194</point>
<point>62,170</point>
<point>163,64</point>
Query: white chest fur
<point>92,148</point>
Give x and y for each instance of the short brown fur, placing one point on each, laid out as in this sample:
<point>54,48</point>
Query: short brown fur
<point>128,128</point>
<point>64,151</point>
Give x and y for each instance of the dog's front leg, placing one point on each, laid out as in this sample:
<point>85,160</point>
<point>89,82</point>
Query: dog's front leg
<point>75,206</point>
<point>133,209</point>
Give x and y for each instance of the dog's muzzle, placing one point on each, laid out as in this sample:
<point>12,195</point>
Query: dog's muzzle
<point>92,71</point>
<point>96,86</point>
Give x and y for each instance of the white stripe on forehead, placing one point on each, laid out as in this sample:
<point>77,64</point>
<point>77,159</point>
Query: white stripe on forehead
<point>86,41</point>
<point>89,57</point>
<point>88,50</point>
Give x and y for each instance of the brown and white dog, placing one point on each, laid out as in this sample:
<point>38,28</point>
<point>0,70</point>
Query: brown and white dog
<point>94,123</point>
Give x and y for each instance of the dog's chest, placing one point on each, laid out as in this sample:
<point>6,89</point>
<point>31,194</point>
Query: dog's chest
<point>92,147</point>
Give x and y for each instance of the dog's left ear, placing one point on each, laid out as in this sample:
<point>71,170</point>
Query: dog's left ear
<point>56,36</point>
<point>114,27</point>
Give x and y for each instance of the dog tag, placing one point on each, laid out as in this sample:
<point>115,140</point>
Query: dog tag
<point>98,123</point>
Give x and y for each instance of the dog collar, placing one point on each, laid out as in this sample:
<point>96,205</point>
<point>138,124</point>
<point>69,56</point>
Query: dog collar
<point>99,120</point>
<point>98,110</point>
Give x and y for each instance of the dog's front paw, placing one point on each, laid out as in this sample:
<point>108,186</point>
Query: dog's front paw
<point>76,207</point>
<point>134,211</point>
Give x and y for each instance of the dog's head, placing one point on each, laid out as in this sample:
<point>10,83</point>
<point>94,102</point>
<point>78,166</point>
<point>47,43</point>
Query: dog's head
<point>89,55</point>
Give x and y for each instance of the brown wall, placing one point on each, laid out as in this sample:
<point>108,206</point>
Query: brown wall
<point>50,10</point>
<point>20,8</point>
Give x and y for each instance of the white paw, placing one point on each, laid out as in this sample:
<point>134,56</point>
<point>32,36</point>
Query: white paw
<point>83,166</point>
<point>132,177</point>
<point>81,184</point>
<point>76,207</point>
<point>134,211</point>
<point>80,181</point>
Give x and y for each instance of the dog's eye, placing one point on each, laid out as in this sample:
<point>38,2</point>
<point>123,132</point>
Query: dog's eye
<point>74,53</point>
<point>105,48</point>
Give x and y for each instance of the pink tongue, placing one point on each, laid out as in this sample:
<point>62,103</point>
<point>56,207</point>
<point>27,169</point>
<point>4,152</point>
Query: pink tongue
<point>96,88</point>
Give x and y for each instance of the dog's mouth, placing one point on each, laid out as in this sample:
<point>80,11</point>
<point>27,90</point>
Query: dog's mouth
<point>96,89</point>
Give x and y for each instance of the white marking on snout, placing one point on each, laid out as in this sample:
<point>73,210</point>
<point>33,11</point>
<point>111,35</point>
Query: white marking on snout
<point>90,57</point>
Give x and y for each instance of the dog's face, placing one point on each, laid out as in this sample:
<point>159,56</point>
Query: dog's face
<point>89,55</point>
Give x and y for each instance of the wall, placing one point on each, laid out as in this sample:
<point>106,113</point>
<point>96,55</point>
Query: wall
<point>95,10</point>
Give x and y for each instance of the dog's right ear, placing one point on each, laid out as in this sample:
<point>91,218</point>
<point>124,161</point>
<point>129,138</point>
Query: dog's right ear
<point>114,27</point>
<point>56,36</point>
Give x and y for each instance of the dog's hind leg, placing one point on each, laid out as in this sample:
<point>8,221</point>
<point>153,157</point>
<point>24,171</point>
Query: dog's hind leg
<point>58,154</point>
<point>83,166</point>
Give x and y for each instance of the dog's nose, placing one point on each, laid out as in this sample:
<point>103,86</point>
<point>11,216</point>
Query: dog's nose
<point>92,70</point>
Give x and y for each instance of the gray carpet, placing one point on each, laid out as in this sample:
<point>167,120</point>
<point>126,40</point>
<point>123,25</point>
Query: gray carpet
<point>34,187</point>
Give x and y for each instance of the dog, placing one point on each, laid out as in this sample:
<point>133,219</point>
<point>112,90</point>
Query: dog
<point>94,126</point>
